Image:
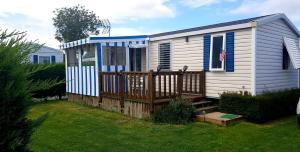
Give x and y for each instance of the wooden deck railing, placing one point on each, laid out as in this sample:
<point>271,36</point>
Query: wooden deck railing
<point>151,86</point>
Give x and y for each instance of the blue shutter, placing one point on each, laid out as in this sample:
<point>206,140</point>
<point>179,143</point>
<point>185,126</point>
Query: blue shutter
<point>229,52</point>
<point>35,59</point>
<point>52,59</point>
<point>206,52</point>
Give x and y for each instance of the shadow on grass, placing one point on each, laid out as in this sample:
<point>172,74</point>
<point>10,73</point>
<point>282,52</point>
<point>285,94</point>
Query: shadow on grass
<point>36,123</point>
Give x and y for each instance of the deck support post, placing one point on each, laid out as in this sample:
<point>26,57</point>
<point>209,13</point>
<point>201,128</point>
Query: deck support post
<point>180,83</point>
<point>152,90</point>
<point>121,90</point>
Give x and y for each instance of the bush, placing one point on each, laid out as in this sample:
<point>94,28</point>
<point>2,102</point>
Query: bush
<point>261,108</point>
<point>48,80</point>
<point>176,112</point>
<point>15,129</point>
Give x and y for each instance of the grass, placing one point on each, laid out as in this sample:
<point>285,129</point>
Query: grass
<point>69,127</point>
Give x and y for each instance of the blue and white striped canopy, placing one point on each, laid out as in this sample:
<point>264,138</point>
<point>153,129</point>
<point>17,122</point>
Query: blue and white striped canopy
<point>131,41</point>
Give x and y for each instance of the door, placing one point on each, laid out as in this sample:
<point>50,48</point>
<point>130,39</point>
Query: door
<point>135,58</point>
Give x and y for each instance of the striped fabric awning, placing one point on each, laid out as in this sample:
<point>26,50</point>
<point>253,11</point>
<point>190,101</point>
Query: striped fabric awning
<point>133,41</point>
<point>293,50</point>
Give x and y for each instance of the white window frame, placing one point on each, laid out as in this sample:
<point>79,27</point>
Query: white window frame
<point>211,49</point>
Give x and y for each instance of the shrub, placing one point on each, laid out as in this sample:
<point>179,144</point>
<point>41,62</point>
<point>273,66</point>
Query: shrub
<point>15,129</point>
<point>178,111</point>
<point>261,108</point>
<point>48,80</point>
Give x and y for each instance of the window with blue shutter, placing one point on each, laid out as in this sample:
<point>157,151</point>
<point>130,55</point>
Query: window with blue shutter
<point>35,59</point>
<point>230,52</point>
<point>206,52</point>
<point>53,59</point>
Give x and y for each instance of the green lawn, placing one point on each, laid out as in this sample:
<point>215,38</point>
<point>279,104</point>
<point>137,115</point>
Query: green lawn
<point>65,126</point>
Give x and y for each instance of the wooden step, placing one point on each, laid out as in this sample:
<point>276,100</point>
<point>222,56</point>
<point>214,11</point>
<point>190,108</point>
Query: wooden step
<point>206,109</point>
<point>201,102</point>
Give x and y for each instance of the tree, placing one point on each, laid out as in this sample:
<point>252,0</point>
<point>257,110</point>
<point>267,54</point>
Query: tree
<point>15,129</point>
<point>73,23</point>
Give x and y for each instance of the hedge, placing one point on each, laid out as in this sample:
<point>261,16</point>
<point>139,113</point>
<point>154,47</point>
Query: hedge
<point>50,80</point>
<point>261,108</point>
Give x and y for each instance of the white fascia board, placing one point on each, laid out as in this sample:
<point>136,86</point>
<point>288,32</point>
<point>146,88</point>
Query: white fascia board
<point>211,30</point>
<point>271,18</point>
<point>253,61</point>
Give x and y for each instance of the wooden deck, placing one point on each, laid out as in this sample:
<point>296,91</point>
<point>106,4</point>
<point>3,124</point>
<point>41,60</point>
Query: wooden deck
<point>152,87</point>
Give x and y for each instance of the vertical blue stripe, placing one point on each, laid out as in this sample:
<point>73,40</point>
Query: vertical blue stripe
<point>107,44</point>
<point>95,80</point>
<point>86,88</point>
<point>74,80</point>
<point>144,42</point>
<point>116,79</point>
<point>206,52</point>
<point>229,60</point>
<point>116,44</point>
<point>123,44</point>
<point>90,70</point>
<point>71,78</point>
<point>99,53</point>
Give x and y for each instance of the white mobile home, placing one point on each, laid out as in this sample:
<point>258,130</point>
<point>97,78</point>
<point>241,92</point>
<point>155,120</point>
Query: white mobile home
<point>46,55</point>
<point>255,55</point>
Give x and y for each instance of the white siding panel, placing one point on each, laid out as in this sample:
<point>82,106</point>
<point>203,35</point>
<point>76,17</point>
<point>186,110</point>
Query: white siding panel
<point>191,54</point>
<point>88,80</point>
<point>92,81</point>
<point>269,43</point>
<point>84,79</point>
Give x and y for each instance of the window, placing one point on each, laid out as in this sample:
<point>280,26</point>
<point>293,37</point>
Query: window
<point>285,58</point>
<point>164,56</point>
<point>121,56</point>
<point>88,56</point>
<point>186,39</point>
<point>216,48</point>
<point>114,55</point>
<point>72,56</point>
<point>44,59</point>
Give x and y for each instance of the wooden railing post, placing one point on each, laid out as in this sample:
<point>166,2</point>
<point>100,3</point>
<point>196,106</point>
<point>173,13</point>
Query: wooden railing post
<point>121,90</point>
<point>180,83</point>
<point>152,90</point>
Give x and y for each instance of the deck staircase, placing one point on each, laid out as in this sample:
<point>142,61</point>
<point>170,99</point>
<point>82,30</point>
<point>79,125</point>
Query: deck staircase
<point>203,105</point>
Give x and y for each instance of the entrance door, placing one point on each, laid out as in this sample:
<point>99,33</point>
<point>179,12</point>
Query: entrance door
<point>136,58</point>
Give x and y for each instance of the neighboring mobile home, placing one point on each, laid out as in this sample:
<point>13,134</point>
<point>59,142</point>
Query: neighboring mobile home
<point>47,55</point>
<point>255,55</point>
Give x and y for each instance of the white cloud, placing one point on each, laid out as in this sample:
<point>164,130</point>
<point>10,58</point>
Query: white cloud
<point>35,16</point>
<point>289,7</point>
<point>201,3</point>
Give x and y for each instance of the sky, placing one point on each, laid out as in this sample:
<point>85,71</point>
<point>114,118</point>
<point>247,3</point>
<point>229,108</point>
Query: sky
<point>139,17</point>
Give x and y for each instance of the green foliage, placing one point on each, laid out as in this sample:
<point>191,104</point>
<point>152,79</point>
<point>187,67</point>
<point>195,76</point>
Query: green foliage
<point>47,80</point>
<point>178,111</point>
<point>73,23</point>
<point>15,129</point>
<point>261,108</point>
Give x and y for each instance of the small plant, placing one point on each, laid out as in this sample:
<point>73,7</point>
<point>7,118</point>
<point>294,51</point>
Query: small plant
<point>178,111</point>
